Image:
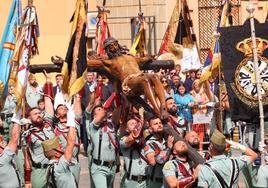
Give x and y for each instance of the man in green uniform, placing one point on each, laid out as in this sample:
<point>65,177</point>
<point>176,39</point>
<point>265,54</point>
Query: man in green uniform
<point>61,130</point>
<point>135,162</point>
<point>178,172</point>
<point>90,105</point>
<point>58,173</point>
<point>38,133</point>
<point>8,111</point>
<point>157,152</point>
<point>221,171</point>
<point>9,177</point>
<point>40,130</point>
<point>178,123</point>
<point>262,177</point>
<point>104,148</point>
<point>33,92</point>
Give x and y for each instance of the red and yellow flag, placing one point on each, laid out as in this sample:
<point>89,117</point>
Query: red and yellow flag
<point>102,31</point>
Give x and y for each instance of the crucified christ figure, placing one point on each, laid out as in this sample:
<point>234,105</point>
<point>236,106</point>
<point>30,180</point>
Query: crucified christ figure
<point>126,75</point>
<point>125,69</point>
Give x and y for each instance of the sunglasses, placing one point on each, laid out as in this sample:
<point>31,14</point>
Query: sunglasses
<point>164,81</point>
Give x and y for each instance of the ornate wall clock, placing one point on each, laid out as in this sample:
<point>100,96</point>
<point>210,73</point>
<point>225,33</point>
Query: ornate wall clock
<point>244,84</point>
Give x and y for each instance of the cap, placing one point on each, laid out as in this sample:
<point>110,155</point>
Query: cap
<point>51,144</point>
<point>218,138</point>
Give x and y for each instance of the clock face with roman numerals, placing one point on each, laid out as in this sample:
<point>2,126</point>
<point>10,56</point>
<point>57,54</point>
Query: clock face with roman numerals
<point>245,81</point>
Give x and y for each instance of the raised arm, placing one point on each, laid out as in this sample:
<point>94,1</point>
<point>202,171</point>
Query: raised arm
<point>71,139</point>
<point>133,136</point>
<point>77,105</point>
<point>70,144</point>
<point>15,132</point>
<point>249,152</point>
<point>208,91</point>
<point>48,95</point>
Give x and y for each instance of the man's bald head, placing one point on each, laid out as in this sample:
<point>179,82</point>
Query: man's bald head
<point>180,148</point>
<point>193,139</point>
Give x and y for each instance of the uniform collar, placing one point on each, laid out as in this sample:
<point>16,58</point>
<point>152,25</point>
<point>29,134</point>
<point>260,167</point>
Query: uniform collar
<point>217,157</point>
<point>181,161</point>
<point>53,161</point>
<point>155,139</point>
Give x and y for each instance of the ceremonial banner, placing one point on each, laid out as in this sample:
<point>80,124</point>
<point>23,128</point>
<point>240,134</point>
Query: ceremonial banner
<point>8,43</point>
<point>25,48</point>
<point>138,45</point>
<point>213,60</point>
<point>171,31</point>
<point>76,57</point>
<point>102,30</point>
<point>238,67</point>
<point>180,39</point>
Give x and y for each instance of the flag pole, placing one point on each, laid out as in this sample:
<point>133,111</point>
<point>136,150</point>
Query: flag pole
<point>30,2</point>
<point>220,124</point>
<point>140,6</point>
<point>250,9</point>
<point>216,39</point>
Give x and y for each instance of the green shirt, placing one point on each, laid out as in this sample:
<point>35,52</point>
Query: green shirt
<point>36,137</point>
<point>154,171</point>
<point>223,164</point>
<point>10,105</point>
<point>88,121</point>
<point>170,169</point>
<point>8,176</point>
<point>108,150</point>
<point>262,177</point>
<point>62,132</point>
<point>33,97</point>
<point>63,175</point>
<point>138,165</point>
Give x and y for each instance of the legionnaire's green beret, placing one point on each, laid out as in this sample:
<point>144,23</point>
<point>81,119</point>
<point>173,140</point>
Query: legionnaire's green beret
<point>51,144</point>
<point>218,138</point>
